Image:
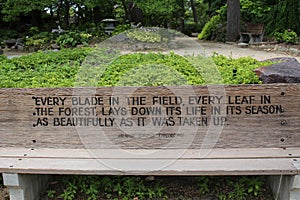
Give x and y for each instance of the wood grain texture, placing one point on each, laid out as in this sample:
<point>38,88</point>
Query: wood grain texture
<point>248,153</point>
<point>149,166</point>
<point>242,130</point>
<point>270,161</point>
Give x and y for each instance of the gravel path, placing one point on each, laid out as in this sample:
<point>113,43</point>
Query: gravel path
<point>194,46</point>
<point>234,51</point>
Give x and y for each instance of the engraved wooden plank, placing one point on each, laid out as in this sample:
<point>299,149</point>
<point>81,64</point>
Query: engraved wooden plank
<point>183,117</point>
<point>149,166</point>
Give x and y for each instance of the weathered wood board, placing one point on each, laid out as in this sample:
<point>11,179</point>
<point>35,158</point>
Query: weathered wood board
<point>249,161</point>
<point>179,117</point>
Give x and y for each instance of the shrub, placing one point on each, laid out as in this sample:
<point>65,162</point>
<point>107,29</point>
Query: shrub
<point>42,69</point>
<point>238,71</point>
<point>288,36</point>
<point>73,38</point>
<point>212,29</point>
<point>39,41</point>
<point>121,28</point>
<point>148,35</point>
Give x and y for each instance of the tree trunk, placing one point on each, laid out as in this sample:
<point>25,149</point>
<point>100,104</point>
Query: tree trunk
<point>97,14</point>
<point>53,25</point>
<point>233,20</point>
<point>194,11</point>
<point>66,21</point>
<point>36,19</point>
<point>125,10</point>
<point>181,15</point>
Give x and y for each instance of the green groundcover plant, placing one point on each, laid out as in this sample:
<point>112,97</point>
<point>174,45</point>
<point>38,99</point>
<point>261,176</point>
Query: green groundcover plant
<point>141,187</point>
<point>59,69</point>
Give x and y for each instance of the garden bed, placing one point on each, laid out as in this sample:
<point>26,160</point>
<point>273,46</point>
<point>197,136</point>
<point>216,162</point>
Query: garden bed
<point>139,187</point>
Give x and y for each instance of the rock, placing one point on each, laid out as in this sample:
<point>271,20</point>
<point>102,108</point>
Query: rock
<point>295,51</point>
<point>55,46</point>
<point>172,45</point>
<point>243,45</point>
<point>59,30</point>
<point>150,178</point>
<point>13,56</point>
<point>10,43</point>
<point>20,48</point>
<point>1,51</point>
<point>286,71</point>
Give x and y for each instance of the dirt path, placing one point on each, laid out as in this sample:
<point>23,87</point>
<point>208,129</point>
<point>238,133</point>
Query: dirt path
<point>234,51</point>
<point>194,46</point>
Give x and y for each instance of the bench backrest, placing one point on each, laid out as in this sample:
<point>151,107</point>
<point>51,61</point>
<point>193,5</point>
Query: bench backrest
<point>256,29</point>
<point>180,117</point>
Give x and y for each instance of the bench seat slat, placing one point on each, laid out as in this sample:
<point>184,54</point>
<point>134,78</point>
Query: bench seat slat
<point>233,153</point>
<point>149,166</point>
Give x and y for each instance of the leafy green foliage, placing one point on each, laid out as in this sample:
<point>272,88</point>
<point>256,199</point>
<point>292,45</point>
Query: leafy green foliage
<point>161,69</point>
<point>238,71</point>
<point>13,8</point>
<point>209,28</point>
<point>42,69</point>
<point>66,68</point>
<point>203,183</point>
<point>144,35</point>
<point>212,29</point>
<point>138,187</point>
<point>121,28</point>
<point>284,14</point>
<point>254,11</point>
<point>253,185</point>
<point>39,41</point>
<point>159,12</point>
<point>288,36</point>
<point>51,193</point>
<point>95,30</point>
<point>235,188</point>
<point>36,40</point>
<point>73,38</point>
<point>108,187</point>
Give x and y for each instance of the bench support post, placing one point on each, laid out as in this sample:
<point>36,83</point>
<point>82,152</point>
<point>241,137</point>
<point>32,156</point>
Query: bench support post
<point>25,186</point>
<point>285,187</point>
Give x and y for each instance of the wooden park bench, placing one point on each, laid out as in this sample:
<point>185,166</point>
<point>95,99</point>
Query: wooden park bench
<point>253,33</point>
<point>180,130</point>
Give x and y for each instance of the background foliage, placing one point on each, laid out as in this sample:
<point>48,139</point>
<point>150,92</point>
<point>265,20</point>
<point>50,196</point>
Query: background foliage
<point>187,16</point>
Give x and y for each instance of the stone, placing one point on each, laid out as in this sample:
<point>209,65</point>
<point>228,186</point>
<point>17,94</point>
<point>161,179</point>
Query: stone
<point>20,48</point>
<point>287,70</point>
<point>243,45</point>
<point>10,43</point>
<point>55,46</point>
<point>1,51</point>
<point>150,178</point>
